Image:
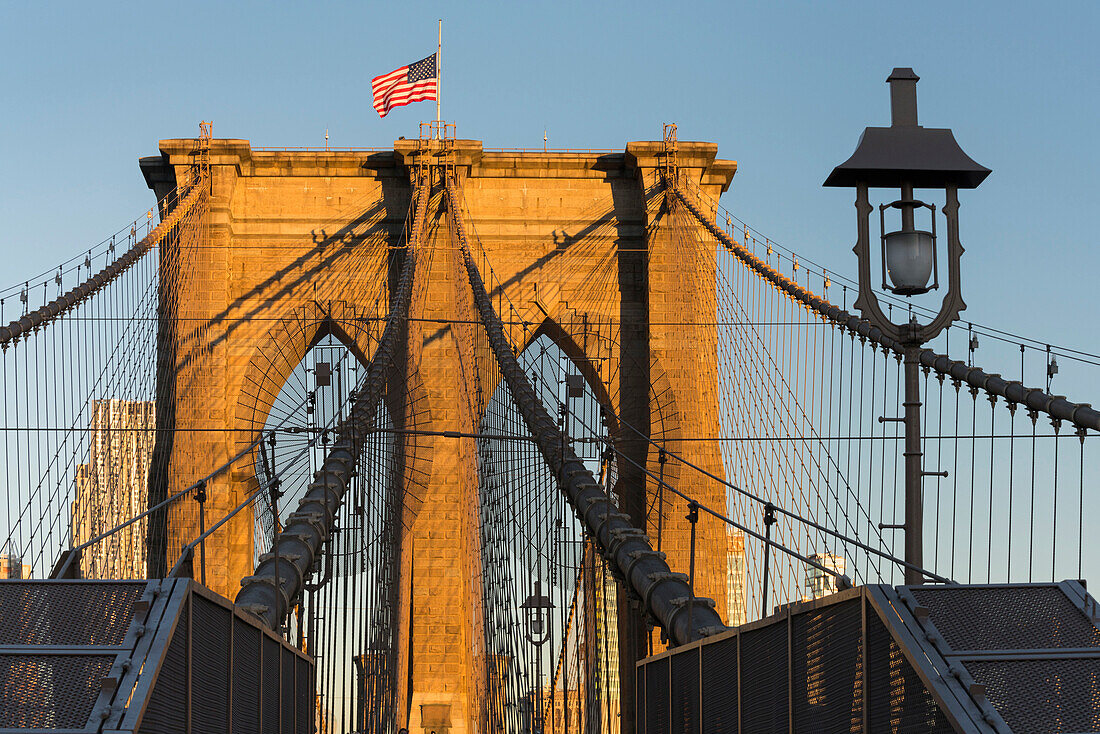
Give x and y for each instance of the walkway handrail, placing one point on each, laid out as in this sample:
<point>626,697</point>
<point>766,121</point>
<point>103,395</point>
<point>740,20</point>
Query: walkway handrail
<point>64,303</point>
<point>1081,415</point>
<point>665,595</point>
<point>271,592</point>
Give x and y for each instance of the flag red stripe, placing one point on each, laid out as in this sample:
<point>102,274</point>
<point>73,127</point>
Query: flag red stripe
<point>400,89</point>
<point>404,99</point>
<point>406,90</point>
<point>403,72</point>
<point>386,89</point>
<point>402,93</point>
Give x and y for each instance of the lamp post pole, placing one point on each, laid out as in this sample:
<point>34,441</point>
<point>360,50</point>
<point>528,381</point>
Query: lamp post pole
<point>537,632</point>
<point>914,464</point>
<point>908,156</point>
<point>914,468</point>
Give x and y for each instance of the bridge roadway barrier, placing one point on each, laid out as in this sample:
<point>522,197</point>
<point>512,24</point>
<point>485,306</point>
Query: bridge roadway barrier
<point>962,658</point>
<point>144,656</point>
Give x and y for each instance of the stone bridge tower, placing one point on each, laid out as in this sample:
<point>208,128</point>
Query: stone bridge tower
<point>583,243</point>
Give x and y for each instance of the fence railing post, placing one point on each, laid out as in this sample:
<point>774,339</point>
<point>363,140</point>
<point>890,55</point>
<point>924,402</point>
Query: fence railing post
<point>769,520</point>
<point>200,497</point>
<point>692,517</point>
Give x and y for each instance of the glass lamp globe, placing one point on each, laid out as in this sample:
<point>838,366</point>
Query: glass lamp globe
<point>909,261</point>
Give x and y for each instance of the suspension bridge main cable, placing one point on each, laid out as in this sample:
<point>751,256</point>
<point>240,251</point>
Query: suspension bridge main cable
<point>1080,415</point>
<point>75,296</point>
<point>279,579</point>
<point>664,594</point>
<point>1008,337</point>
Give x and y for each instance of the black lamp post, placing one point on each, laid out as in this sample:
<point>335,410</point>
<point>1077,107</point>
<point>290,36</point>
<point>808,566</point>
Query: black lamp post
<point>906,156</point>
<point>537,632</point>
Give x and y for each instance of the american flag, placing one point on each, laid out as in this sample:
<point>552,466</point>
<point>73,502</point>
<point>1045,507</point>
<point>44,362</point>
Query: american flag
<point>412,83</point>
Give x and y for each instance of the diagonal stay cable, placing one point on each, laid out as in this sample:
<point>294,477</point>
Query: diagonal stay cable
<point>1008,337</point>
<point>793,515</point>
<point>744,492</point>
<point>74,553</point>
<point>288,467</point>
<point>664,594</point>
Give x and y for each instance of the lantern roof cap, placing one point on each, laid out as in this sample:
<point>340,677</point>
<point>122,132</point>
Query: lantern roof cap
<point>924,157</point>
<point>905,152</point>
<point>539,601</point>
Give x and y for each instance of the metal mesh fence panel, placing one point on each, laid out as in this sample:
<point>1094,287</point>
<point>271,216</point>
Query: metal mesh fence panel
<point>169,703</point>
<point>78,613</point>
<point>304,697</point>
<point>656,696</point>
<point>1053,695</point>
<point>720,686</point>
<point>269,704</point>
<point>685,692</point>
<point>896,698</point>
<point>640,711</point>
<point>246,678</point>
<point>210,658</point>
<point>827,675</point>
<point>835,667</point>
<point>1007,618</point>
<point>764,681</point>
<point>286,697</point>
<point>50,691</point>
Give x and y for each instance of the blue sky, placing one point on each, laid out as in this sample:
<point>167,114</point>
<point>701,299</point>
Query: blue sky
<point>785,88</point>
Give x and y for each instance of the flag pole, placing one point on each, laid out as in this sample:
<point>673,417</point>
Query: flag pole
<point>439,76</point>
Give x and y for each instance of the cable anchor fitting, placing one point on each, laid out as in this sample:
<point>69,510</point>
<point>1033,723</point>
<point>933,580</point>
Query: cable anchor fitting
<point>769,514</point>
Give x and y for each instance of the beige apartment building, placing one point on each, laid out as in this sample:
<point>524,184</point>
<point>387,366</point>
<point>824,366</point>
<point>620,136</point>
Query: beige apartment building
<point>113,487</point>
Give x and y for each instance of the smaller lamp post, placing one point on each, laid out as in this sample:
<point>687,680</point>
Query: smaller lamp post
<point>907,156</point>
<point>537,632</point>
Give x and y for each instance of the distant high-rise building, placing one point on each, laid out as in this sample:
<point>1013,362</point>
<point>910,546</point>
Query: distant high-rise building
<point>113,487</point>
<point>735,583</point>
<point>562,709</point>
<point>819,583</point>
<point>12,567</point>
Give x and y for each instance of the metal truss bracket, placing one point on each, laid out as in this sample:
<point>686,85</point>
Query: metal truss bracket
<point>263,580</point>
<point>949,684</point>
<point>257,610</point>
<point>711,631</point>
<point>697,600</point>
<point>620,536</point>
<point>272,555</point>
<point>314,519</point>
<point>689,602</point>
<point>642,555</point>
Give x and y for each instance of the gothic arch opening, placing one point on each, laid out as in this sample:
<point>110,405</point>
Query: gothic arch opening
<point>348,615</point>
<point>533,547</point>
